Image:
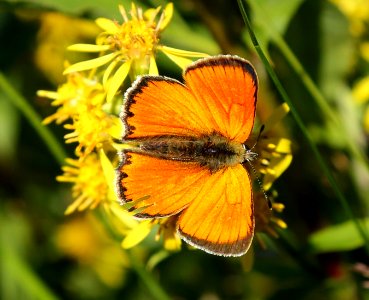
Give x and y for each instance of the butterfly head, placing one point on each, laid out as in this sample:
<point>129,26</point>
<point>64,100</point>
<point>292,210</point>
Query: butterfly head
<point>249,155</point>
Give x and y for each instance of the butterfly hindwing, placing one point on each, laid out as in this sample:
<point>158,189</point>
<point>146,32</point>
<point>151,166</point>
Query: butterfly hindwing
<point>166,186</point>
<point>221,219</point>
<point>215,209</point>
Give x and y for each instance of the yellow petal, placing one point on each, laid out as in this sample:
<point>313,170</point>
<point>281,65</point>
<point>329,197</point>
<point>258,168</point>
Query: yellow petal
<point>179,57</point>
<point>179,61</point>
<point>124,217</point>
<point>116,131</point>
<point>133,11</point>
<point>365,50</point>
<point>283,146</point>
<point>168,13</point>
<point>48,94</point>
<point>70,209</point>
<point>107,73</point>
<point>137,234</point>
<point>90,64</point>
<point>118,79</point>
<point>109,173</point>
<point>275,169</point>
<point>153,70</point>
<point>88,48</point>
<point>123,13</point>
<point>151,13</point>
<point>107,25</point>
<point>171,241</point>
<point>360,90</point>
<point>280,223</point>
<point>181,53</point>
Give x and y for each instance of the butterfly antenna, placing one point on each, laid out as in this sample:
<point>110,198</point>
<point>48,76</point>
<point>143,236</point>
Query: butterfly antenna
<point>259,135</point>
<point>256,175</point>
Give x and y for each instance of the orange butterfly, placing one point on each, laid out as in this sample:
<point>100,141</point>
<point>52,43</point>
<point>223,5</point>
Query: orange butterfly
<point>187,154</point>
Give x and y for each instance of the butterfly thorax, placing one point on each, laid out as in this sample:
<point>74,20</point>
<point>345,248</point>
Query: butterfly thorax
<point>213,151</point>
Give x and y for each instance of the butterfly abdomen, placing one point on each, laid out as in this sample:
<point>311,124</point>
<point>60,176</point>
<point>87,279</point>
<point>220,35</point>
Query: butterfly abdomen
<point>213,151</point>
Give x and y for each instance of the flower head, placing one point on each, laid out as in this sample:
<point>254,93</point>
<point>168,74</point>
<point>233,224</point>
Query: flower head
<point>360,90</point>
<point>82,101</point>
<point>130,47</point>
<point>72,97</point>
<point>89,184</point>
<point>91,129</point>
<point>85,240</point>
<point>137,36</point>
<point>266,219</point>
<point>274,157</point>
<point>275,153</point>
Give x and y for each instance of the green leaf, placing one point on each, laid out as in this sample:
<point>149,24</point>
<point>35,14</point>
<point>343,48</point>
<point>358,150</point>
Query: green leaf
<point>272,16</point>
<point>340,237</point>
<point>337,50</point>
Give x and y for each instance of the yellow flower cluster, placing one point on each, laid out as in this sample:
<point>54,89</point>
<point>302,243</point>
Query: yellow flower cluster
<point>130,48</point>
<point>85,105</point>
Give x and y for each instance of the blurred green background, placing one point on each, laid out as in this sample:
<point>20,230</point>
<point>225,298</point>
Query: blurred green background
<point>46,255</point>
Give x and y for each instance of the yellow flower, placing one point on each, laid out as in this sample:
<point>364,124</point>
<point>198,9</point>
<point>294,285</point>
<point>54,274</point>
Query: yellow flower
<point>85,240</point>
<point>130,47</point>
<point>82,100</point>
<point>274,157</point>
<point>71,97</point>
<point>91,129</point>
<point>265,216</point>
<point>357,12</point>
<point>360,90</point>
<point>167,230</point>
<point>89,184</point>
<point>274,153</point>
<point>56,32</point>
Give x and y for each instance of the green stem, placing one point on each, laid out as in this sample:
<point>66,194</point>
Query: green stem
<point>15,269</point>
<point>156,291</point>
<point>298,255</point>
<point>316,94</point>
<point>35,120</point>
<point>152,285</point>
<point>302,127</point>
